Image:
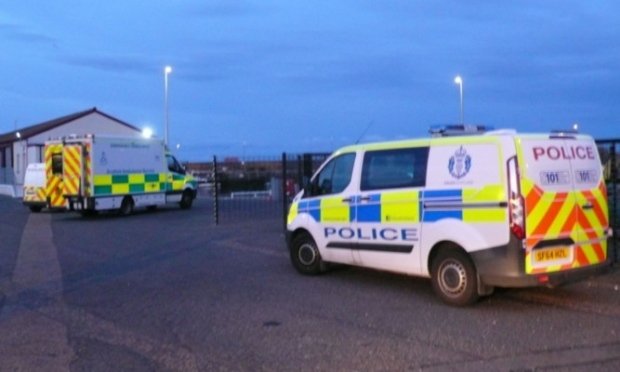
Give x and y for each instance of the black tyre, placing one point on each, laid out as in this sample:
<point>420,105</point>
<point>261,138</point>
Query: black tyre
<point>453,276</point>
<point>305,256</point>
<point>89,213</point>
<point>126,206</point>
<point>35,209</point>
<point>187,199</point>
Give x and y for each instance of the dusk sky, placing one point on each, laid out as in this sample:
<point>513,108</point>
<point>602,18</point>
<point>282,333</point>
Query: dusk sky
<point>266,77</point>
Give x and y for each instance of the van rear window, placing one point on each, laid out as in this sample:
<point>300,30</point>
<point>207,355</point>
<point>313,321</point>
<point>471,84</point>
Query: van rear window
<point>395,168</point>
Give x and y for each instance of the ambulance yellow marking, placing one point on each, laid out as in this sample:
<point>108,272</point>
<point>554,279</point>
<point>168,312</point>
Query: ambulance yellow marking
<point>122,188</point>
<point>136,178</point>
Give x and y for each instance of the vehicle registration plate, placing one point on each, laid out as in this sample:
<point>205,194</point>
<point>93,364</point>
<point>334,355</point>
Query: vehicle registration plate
<point>554,254</point>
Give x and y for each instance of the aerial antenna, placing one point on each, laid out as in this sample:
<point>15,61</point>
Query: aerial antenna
<point>364,132</point>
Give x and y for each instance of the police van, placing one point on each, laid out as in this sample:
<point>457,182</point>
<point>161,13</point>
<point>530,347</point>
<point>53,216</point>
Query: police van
<point>470,208</point>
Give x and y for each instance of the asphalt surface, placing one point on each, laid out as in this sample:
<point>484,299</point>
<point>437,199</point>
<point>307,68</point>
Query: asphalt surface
<point>170,291</point>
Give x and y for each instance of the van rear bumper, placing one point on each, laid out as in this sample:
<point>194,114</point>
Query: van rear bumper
<point>552,279</point>
<point>504,266</point>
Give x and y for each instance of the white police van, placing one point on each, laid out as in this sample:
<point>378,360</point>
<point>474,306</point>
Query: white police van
<point>470,208</point>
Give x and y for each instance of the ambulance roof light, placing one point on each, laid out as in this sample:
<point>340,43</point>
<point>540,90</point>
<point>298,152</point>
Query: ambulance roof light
<point>458,130</point>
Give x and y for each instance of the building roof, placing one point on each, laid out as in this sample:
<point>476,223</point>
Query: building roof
<point>33,130</point>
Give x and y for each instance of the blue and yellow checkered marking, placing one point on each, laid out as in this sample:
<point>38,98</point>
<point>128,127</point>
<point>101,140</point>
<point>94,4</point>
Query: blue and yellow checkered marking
<point>408,206</point>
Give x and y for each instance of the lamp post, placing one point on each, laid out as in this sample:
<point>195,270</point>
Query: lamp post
<point>167,70</point>
<point>459,81</point>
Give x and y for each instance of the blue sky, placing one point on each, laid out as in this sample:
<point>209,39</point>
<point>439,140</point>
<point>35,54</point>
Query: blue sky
<point>264,77</point>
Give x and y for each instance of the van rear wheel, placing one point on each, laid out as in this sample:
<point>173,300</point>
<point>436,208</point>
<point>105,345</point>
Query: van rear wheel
<point>453,277</point>
<point>305,255</point>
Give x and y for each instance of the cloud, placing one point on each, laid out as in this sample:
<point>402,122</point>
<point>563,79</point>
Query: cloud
<point>26,35</point>
<point>226,8</point>
<point>112,63</point>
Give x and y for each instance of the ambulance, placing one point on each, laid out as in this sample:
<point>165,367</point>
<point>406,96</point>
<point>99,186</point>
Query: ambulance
<point>93,173</point>
<point>471,208</point>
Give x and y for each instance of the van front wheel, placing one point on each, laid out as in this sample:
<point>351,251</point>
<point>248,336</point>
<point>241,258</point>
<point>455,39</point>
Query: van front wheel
<point>305,256</point>
<point>453,276</point>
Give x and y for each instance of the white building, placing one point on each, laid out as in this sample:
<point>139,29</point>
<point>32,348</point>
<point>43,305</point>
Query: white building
<point>25,145</point>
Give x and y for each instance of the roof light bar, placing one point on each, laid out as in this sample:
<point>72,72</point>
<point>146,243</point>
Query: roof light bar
<point>458,130</point>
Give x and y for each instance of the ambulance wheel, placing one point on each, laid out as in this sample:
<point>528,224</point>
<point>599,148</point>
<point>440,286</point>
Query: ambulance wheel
<point>35,209</point>
<point>89,213</point>
<point>453,276</point>
<point>305,256</point>
<point>126,206</point>
<point>186,200</point>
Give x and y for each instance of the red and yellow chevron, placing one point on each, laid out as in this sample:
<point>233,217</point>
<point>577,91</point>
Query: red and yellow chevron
<point>72,169</point>
<point>34,194</point>
<point>53,183</point>
<point>558,215</point>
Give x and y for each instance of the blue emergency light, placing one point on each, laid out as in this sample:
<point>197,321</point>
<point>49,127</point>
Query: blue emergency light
<point>458,130</point>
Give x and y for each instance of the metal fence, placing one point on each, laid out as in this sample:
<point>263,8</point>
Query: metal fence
<point>608,151</point>
<point>257,187</point>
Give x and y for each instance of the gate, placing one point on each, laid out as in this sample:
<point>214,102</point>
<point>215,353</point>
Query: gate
<point>608,151</point>
<point>258,187</point>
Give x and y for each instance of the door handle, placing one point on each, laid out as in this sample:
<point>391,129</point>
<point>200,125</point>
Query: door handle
<point>587,206</point>
<point>347,200</point>
<point>365,198</point>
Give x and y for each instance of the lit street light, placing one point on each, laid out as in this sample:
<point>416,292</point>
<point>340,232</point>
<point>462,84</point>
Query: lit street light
<point>459,81</point>
<point>167,70</point>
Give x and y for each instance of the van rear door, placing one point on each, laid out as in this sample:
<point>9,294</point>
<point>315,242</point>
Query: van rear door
<point>565,202</point>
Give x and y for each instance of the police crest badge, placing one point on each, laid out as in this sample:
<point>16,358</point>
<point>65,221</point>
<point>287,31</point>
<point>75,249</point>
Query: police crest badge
<point>460,163</point>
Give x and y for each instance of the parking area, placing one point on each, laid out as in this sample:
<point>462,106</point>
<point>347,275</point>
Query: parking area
<point>169,290</point>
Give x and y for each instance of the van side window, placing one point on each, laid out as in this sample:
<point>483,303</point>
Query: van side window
<point>397,168</point>
<point>335,176</point>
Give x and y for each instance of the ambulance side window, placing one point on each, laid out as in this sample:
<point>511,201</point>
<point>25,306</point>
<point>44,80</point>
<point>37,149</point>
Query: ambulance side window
<point>173,165</point>
<point>396,168</point>
<point>334,177</point>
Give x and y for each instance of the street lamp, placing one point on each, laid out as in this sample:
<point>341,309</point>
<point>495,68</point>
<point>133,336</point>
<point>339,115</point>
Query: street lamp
<point>167,70</point>
<point>459,81</point>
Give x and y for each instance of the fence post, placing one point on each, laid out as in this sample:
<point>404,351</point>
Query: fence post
<point>614,200</point>
<point>216,193</point>
<point>284,191</point>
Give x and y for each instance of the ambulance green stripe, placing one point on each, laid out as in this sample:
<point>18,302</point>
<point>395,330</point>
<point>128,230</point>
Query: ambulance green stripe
<point>103,190</point>
<point>151,177</point>
<point>122,178</point>
<point>136,187</point>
